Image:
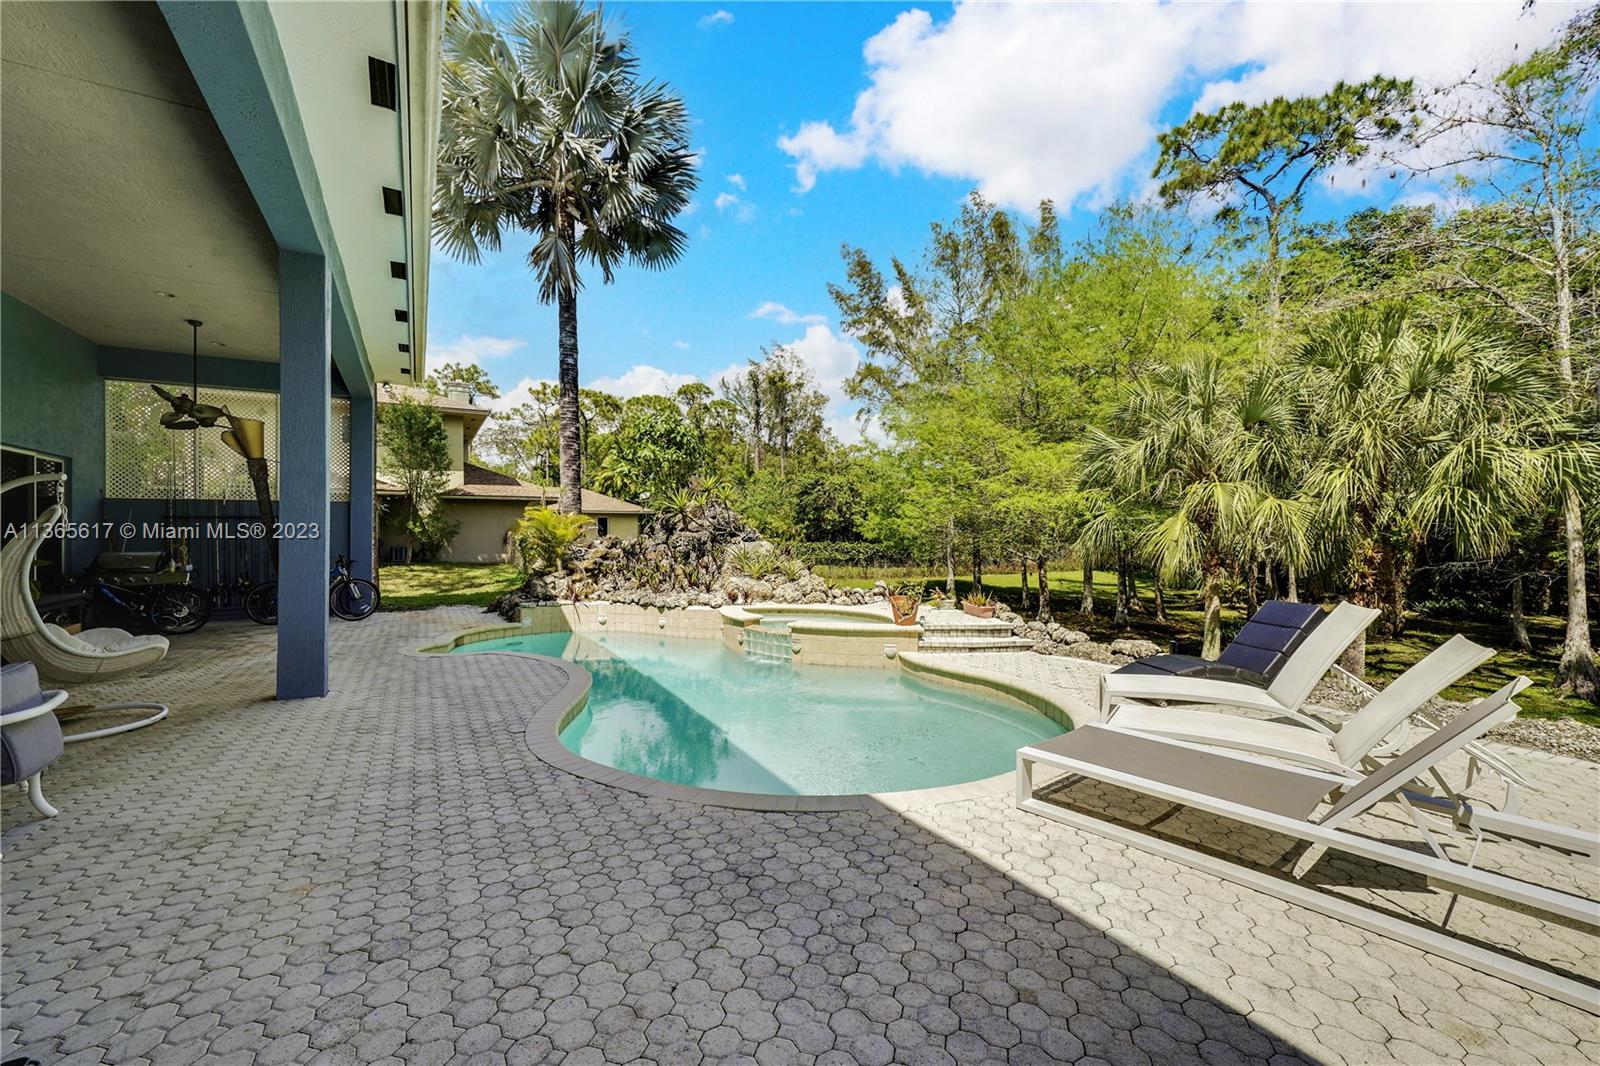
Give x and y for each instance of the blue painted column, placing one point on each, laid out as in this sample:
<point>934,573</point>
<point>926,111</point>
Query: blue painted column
<point>363,486</point>
<point>305,384</point>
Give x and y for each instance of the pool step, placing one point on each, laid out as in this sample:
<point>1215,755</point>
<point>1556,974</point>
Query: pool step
<point>943,642</point>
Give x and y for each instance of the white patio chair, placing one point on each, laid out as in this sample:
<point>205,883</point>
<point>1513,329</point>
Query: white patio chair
<point>72,658</point>
<point>1341,750</point>
<point>1284,695</point>
<point>1286,800</point>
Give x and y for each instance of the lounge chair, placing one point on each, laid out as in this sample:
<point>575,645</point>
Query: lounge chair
<point>1343,750</point>
<point>30,736</point>
<point>1288,680</point>
<point>61,656</point>
<point>1286,800</point>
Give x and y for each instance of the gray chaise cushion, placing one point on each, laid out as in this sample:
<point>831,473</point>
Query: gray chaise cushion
<point>30,745</point>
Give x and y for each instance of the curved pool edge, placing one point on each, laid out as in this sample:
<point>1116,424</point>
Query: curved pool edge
<point>542,736</point>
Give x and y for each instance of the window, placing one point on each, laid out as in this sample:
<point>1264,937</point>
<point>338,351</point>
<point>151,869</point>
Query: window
<point>27,502</point>
<point>147,462</point>
<point>601,526</point>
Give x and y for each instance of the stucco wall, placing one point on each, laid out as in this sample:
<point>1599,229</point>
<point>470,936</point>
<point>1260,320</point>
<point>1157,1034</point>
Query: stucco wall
<point>484,525</point>
<point>54,401</point>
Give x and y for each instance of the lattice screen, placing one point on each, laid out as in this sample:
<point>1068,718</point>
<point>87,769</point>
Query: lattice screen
<point>145,461</point>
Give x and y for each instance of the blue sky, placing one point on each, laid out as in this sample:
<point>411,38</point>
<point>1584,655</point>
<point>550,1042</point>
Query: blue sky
<point>821,124</point>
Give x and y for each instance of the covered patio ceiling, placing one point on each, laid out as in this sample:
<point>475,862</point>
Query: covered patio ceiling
<point>124,211</point>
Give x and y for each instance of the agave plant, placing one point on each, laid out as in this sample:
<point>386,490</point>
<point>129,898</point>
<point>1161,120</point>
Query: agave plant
<point>791,568</point>
<point>754,560</point>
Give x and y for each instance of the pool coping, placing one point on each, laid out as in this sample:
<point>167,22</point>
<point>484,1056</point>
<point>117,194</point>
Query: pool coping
<point>542,737</point>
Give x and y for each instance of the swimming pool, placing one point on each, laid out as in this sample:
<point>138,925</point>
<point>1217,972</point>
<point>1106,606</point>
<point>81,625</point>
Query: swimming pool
<point>696,713</point>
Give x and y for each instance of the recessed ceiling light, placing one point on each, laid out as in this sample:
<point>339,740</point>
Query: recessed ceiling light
<point>168,295</point>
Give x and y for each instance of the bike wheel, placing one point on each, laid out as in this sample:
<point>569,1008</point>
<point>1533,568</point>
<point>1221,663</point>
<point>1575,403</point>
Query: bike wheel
<point>179,610</point>
<point>353,599</point>
<point>261,604</point>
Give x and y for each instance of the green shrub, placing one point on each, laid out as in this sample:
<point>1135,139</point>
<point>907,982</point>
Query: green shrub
<point>545,538</point>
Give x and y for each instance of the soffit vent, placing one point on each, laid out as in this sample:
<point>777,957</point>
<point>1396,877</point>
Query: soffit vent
<point>397,269</point>
<point>384,78</point>
<point>405,347</point>
<point>393,202</point>
<point>400,315</point>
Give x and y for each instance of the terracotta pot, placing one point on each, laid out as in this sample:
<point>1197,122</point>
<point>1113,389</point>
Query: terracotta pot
<point>985,611</point>
<point>905,610</point>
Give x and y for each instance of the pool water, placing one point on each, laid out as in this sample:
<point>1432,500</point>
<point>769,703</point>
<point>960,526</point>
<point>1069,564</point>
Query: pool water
<point>696,713</point>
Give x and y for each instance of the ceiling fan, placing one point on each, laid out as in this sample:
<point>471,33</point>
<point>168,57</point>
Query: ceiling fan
<point>187,411</point>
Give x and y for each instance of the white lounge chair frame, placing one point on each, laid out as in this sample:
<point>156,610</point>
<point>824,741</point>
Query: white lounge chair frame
<point>1337,751</point>
<point>26,637</point>
<point>1359,793</point>
<point>1306,666</point>
<point>53,698</point>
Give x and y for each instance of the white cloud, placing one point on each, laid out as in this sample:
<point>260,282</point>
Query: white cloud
<point>743,210</point>
<point>779,313</point>
<point>682,346</point>
<point>474,350</point>
<point>519,394</point>
<point>1036,100</point>
<point>716,18</point>
<point>643,380</point>
<point>736,180</point>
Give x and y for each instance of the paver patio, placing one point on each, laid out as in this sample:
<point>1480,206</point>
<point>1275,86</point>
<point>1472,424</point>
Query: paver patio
<point>390,874</point>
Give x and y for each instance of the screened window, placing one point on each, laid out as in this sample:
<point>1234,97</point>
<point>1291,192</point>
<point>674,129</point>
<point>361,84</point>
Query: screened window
<point>144,461</point>
<point>26,503</point>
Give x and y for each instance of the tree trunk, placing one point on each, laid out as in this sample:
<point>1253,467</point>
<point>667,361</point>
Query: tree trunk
<point>571,445</point>
<point>1292,593</point>
<point>1251,592</point>
<point>1211,640</point>
<point>1577,673</point>
<point>950,558</point>
<point>977,569</point>
<point>1120,618</point>
<point>1519,620</point>
<point>1274,276</point>
<point>1024,582</point>
<point>1044,591</point>
<point>1086,605</point>
<point>1161,599</point>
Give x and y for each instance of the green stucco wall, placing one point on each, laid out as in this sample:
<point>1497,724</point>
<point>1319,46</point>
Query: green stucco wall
<point>52,400</point>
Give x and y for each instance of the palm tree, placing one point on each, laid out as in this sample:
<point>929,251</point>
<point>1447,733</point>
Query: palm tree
<point>1199,446</point>
<point>546,128</point>
<point>1445,432</point>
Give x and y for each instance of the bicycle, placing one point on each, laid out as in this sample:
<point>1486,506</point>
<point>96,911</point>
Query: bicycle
<point>160,596</point>
<point>350,598</point>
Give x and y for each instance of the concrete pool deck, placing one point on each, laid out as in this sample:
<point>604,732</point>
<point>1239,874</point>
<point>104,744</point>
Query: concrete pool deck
<point>389,874</point>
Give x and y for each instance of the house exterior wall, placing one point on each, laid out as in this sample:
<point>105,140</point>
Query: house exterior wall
<point>484,525</point>
<point>55,403</point>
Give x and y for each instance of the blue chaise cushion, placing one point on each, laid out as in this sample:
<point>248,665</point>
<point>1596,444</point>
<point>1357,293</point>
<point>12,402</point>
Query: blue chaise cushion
<point>1255,656</point>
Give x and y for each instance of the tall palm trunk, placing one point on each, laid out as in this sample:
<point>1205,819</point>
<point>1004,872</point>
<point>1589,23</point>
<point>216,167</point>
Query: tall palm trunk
<point>1124,594</point>
<point>571,444</point>
<point>1519,619</point>
<point>1044,591</point>
<point>1086,604</point>
<point>1211,641</point>
<point>1293,592</point>
<point>1577,672</point>
<point>1161,598</point>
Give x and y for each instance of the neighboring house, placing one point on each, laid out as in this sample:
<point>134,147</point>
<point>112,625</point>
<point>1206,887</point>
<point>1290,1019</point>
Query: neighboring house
<point>266,169</point>
<point>486,503</point>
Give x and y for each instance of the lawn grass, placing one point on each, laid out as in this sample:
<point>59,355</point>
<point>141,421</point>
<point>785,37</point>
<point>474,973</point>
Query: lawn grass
<point>1386,656</point>
<point>418,585</point>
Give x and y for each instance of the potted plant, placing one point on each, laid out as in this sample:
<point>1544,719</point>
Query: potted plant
<point>904,601</point>
<point>979,604</point>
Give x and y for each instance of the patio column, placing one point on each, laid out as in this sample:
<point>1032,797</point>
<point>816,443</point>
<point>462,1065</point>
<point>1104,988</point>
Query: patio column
<point>363,487</point>
<point>305,375</point>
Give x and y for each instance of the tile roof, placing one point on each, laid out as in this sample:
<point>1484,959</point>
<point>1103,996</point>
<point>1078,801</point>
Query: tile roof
<point>482,483</point>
